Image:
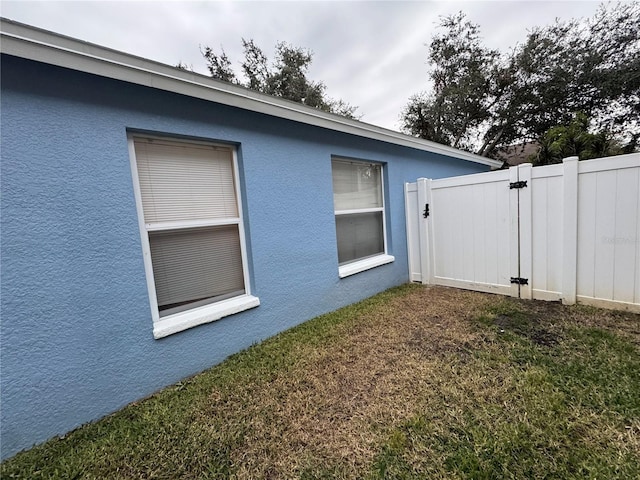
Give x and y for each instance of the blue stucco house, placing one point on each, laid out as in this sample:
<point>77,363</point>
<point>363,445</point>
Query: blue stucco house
<point>155,221</point>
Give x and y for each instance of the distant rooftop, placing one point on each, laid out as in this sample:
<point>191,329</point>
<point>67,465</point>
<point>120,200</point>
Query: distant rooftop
<point>518,153</point>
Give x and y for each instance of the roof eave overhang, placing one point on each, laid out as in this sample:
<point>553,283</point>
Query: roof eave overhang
<point>47,47</point>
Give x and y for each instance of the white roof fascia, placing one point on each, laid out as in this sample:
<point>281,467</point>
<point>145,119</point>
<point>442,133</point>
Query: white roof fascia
<point>32,43</point>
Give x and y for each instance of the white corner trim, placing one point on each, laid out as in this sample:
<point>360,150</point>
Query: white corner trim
<point>208,313</point>
<point>366,264</point>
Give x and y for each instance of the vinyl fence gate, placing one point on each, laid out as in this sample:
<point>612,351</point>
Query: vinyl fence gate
<point>567,232</point>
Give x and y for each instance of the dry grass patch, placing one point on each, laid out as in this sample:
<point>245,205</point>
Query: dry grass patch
<point>334,404</point>
<point>417,382</point>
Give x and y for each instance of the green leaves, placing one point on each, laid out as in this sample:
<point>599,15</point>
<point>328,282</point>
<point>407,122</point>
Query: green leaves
<point>461,68</point>
<point>480,99</point>
<point>574,139</point>
<point>286,76</point>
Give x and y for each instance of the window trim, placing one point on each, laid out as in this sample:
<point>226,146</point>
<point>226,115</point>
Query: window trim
<point>366,263</point>
<point>177,322</point>
<point>363,264</point>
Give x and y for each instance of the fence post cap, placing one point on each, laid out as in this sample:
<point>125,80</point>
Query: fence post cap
<point>570,159</point>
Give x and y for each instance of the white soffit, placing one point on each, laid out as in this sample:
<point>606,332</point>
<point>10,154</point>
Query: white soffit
<point>32,43</point>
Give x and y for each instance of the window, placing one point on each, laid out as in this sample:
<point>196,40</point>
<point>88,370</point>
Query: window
<point>360,218</point>
<point>192,233</point>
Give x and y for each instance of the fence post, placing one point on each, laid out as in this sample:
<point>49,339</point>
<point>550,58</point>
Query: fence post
<point>431,272</point>
<point>525,223</point>
<point>412,228</point>
<point>425,235</point>
<point>514,233</point>
<point>570,230</point>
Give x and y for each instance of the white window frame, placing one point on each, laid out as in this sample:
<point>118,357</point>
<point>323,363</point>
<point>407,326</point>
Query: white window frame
<point>367,263</point>
<point>198,315</point>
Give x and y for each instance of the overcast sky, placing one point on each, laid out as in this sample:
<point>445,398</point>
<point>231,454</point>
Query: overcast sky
<point>370,54</point>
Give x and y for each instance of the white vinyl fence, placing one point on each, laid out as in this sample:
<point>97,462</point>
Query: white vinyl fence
<point>567,232</point>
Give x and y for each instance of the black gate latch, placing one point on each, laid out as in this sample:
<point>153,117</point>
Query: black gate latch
<point>520,280</point>
<point>520,184</point>
<point>425,214</point>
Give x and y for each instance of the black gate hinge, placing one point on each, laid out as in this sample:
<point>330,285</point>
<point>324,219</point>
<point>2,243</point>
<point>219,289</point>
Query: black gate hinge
<point>520,280</point>
<point>520,184</point>
<point>425,214</point>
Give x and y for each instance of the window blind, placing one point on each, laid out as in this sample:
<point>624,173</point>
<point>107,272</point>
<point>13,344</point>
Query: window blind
<point>359,235</point>
<point>198,259</point>
<point>194,264</point>
<point>185,181</point>
<point>356,185</point>
<point>359,209</point>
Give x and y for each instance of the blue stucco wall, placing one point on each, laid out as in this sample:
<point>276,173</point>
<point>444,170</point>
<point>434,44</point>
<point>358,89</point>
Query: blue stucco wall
<point>76,328</point>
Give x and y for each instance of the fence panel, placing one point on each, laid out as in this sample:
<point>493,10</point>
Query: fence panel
<point>608,254</point>
<point>469,232</point>
<point>412,210</point>
<point>546,225</point>
<point>573,233</point>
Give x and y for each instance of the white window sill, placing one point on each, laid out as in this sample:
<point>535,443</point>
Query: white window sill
<point>362,265</point>
<point>208,313</point>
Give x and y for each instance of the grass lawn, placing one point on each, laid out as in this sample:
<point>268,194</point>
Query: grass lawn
<point>417,382</point>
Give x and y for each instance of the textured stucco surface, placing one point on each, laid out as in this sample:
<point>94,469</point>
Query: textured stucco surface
<point>76,328</point>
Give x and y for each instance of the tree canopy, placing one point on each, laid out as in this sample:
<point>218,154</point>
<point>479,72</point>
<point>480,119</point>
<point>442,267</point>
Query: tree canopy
<point>481,99</point>
<point>286,76</point>
<point>575,139</point>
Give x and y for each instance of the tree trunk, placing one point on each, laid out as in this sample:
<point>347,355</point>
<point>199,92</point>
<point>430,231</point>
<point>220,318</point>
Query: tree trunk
<point>489,145</point>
